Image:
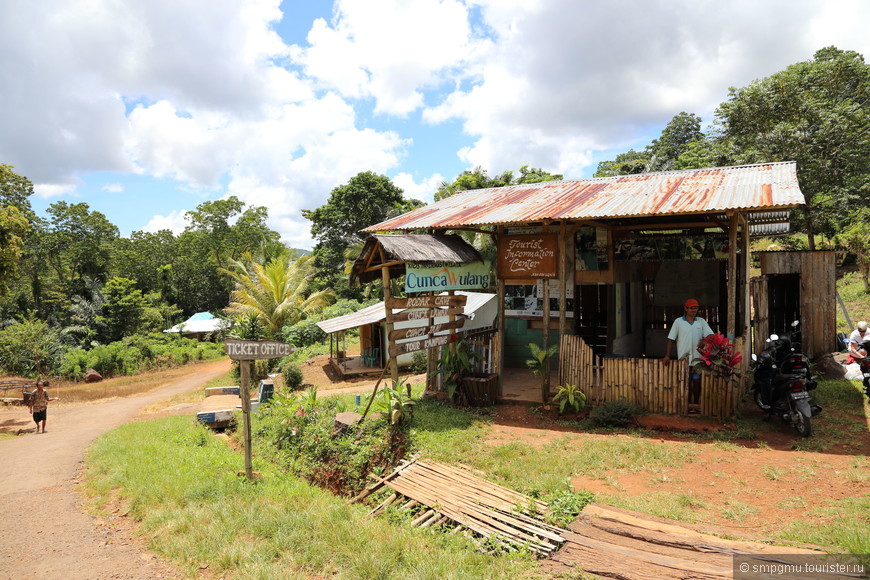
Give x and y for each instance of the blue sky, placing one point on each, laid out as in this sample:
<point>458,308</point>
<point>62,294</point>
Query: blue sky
<point>144,110</point>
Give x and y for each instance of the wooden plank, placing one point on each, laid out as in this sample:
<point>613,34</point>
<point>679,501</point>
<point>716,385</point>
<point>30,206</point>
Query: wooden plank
<point>445,300</point>
<point>422,314</point>
<point>422,344</point>
<point>422,331</point>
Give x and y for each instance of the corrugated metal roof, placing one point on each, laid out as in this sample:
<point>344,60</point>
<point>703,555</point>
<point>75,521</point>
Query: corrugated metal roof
<point>377,312</point>
<point>768,186</point>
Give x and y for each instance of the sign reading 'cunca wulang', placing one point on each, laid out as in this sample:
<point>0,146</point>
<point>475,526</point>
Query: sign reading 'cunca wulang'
<point>256,349</point>
<point>424,278</point>
<point>527,256</point>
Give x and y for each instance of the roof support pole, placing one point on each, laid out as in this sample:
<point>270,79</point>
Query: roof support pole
<point>731,326</point>
<point>498,358</point>
<point>563,286</point>
<point>545,383</point>
<point>744,284</point>
<point>388,294</point>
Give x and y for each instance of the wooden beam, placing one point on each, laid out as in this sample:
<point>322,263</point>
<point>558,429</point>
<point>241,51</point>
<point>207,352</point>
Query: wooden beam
<point>731,326</point>
<point>498,356</point>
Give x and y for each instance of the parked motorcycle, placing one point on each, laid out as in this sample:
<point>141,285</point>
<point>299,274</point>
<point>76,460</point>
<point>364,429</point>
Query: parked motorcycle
<point>782,381</point>
<point>864,363</point>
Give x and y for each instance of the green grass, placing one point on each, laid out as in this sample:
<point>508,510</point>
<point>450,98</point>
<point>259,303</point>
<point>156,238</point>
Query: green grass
<point>181,484</point>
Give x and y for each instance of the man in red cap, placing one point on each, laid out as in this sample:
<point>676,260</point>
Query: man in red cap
<point>686,332</point>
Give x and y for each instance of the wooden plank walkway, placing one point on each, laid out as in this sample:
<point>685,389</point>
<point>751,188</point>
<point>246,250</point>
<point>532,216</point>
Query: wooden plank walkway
<point>618,543</point>
<point>456,497</point>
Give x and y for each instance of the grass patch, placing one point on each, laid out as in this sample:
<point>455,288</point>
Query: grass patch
<point>676,506</point>
<point>772,472</point>
<point>846,524</point>
<point>737,511</point>
<point>198,511</point>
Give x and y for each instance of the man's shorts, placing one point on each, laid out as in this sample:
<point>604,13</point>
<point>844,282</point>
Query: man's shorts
<point>40,415</point>
<point>695,370</point>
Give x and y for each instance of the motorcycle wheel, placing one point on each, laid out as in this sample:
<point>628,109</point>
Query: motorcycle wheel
<point>756,396</point>
<point>802,424</point>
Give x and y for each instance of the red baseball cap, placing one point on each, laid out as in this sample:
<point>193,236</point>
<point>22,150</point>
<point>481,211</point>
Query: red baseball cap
<point>691,302</point>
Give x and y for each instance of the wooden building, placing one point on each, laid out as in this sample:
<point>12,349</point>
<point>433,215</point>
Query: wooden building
<point>602,267</point>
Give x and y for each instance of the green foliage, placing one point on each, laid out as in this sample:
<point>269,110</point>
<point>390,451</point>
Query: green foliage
<point>29,348</point>
<point>303,432</point>
<point>565,505</point>
<point>393,403</point>
<point>570,396</point>
<point>292,375</point>
<point>304,333</point>
<point>456,365</point>
<point>539,364</point>
<point>122,308</point>
<point>135,354</point>
<point>277,292</point>
<point>815,113</point>
<point>856,238</point>
<point>13,229</point>
<point>613,414</point>
<point>478,178</point>
<point>419,362</point>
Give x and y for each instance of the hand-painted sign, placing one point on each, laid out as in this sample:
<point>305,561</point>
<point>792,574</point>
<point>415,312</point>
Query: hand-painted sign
<point>427,301</point>
<point>424,278</point>
<point>422,314</point>
<point>423,344</point>
<point>257,349</point>
<point>418,331</point>
<point>528,256</point>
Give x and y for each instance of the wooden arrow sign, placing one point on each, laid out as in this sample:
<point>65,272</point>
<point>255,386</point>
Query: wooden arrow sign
<point>428,301</point>
<point>419,331</point>
<point>422,314</point>
<point>423,344</point>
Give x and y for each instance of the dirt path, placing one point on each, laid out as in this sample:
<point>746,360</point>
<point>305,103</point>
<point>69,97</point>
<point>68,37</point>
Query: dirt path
<point>45,532</point>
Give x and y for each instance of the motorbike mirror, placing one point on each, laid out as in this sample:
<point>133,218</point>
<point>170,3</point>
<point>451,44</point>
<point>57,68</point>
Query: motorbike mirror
<point>773,337</point>
<point>795,323</point>
<point>754,356</point>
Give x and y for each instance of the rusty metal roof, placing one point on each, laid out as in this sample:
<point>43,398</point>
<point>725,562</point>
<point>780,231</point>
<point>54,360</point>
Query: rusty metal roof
<point>767,186</point>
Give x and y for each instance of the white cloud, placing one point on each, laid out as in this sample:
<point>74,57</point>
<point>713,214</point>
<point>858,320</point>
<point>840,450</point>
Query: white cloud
<point>389,50</point>
<point>48,190</point>
<point>174,222</point>
<point>113,187</point>
<point>424,191</point>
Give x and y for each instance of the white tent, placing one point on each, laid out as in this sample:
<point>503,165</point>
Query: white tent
<point>199,324</point>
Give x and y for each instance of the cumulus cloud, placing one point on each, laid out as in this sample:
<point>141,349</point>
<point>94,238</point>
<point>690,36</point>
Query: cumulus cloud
<point>175,222</point>
<point>116,187</point>
<point>424,190</point>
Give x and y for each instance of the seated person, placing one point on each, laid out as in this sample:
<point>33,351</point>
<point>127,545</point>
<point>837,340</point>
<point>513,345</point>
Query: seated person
<point>856,343</point>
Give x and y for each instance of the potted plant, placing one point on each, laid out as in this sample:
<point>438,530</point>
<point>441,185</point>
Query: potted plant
<point>462,383</point>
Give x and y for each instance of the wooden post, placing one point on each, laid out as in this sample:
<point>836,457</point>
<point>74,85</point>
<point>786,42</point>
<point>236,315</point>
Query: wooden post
<point>731,326</point>
<point>563,290</point>
<point>245,381</point>
<point>388,294</point>
<point>498,357</point>
<point>545,382</point>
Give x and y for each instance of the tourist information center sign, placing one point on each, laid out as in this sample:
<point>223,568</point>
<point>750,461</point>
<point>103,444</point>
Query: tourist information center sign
<point>527,256</point>
<point>439,277</point>
<point>257,349</point>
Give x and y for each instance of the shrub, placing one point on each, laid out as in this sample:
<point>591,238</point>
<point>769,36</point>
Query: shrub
<point>30,348</point>
<point>292,376</point>
<point>419,362</point>
<point>570,396</point>
<point>613,414</point>
<point>304,333</point>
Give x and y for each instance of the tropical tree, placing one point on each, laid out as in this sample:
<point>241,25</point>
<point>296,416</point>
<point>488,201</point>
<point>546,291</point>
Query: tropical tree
<point>366,199</point>
<point>13,230</point>
<point>478,178</point>
<point>816,113</point>
<point>275,292</point>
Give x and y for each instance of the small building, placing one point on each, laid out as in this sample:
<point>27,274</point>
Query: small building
<point>602,267</point>
<point>480,313</point>
<point>199,326</point>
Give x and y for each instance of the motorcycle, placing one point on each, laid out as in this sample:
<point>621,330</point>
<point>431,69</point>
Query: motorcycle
<point>864,363</point>
<point>782,381</point>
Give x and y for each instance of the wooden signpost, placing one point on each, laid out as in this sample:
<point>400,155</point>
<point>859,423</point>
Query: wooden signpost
<point>246,351</point>
<point>422,314</point>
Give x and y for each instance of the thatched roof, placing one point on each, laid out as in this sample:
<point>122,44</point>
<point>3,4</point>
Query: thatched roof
<point>400,248</point>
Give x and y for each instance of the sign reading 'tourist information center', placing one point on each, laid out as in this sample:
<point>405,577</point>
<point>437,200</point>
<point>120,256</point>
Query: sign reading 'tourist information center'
<point>256,349</point>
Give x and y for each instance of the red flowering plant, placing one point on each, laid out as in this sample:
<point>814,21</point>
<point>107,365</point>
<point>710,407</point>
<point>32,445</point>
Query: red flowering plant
<point>718,355</point>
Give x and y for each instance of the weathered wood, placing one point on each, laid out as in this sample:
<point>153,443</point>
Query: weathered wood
<point>429,302</point>
<point>423,331</point>
<point>422,314</point>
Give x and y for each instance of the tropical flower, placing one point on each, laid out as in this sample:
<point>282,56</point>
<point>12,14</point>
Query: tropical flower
<point>718,355</point>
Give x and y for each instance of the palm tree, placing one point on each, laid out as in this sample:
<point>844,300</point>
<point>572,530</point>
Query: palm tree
<point>276,293</point>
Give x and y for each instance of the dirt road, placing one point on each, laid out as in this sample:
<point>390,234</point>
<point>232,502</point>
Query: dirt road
<point>45,533</point>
